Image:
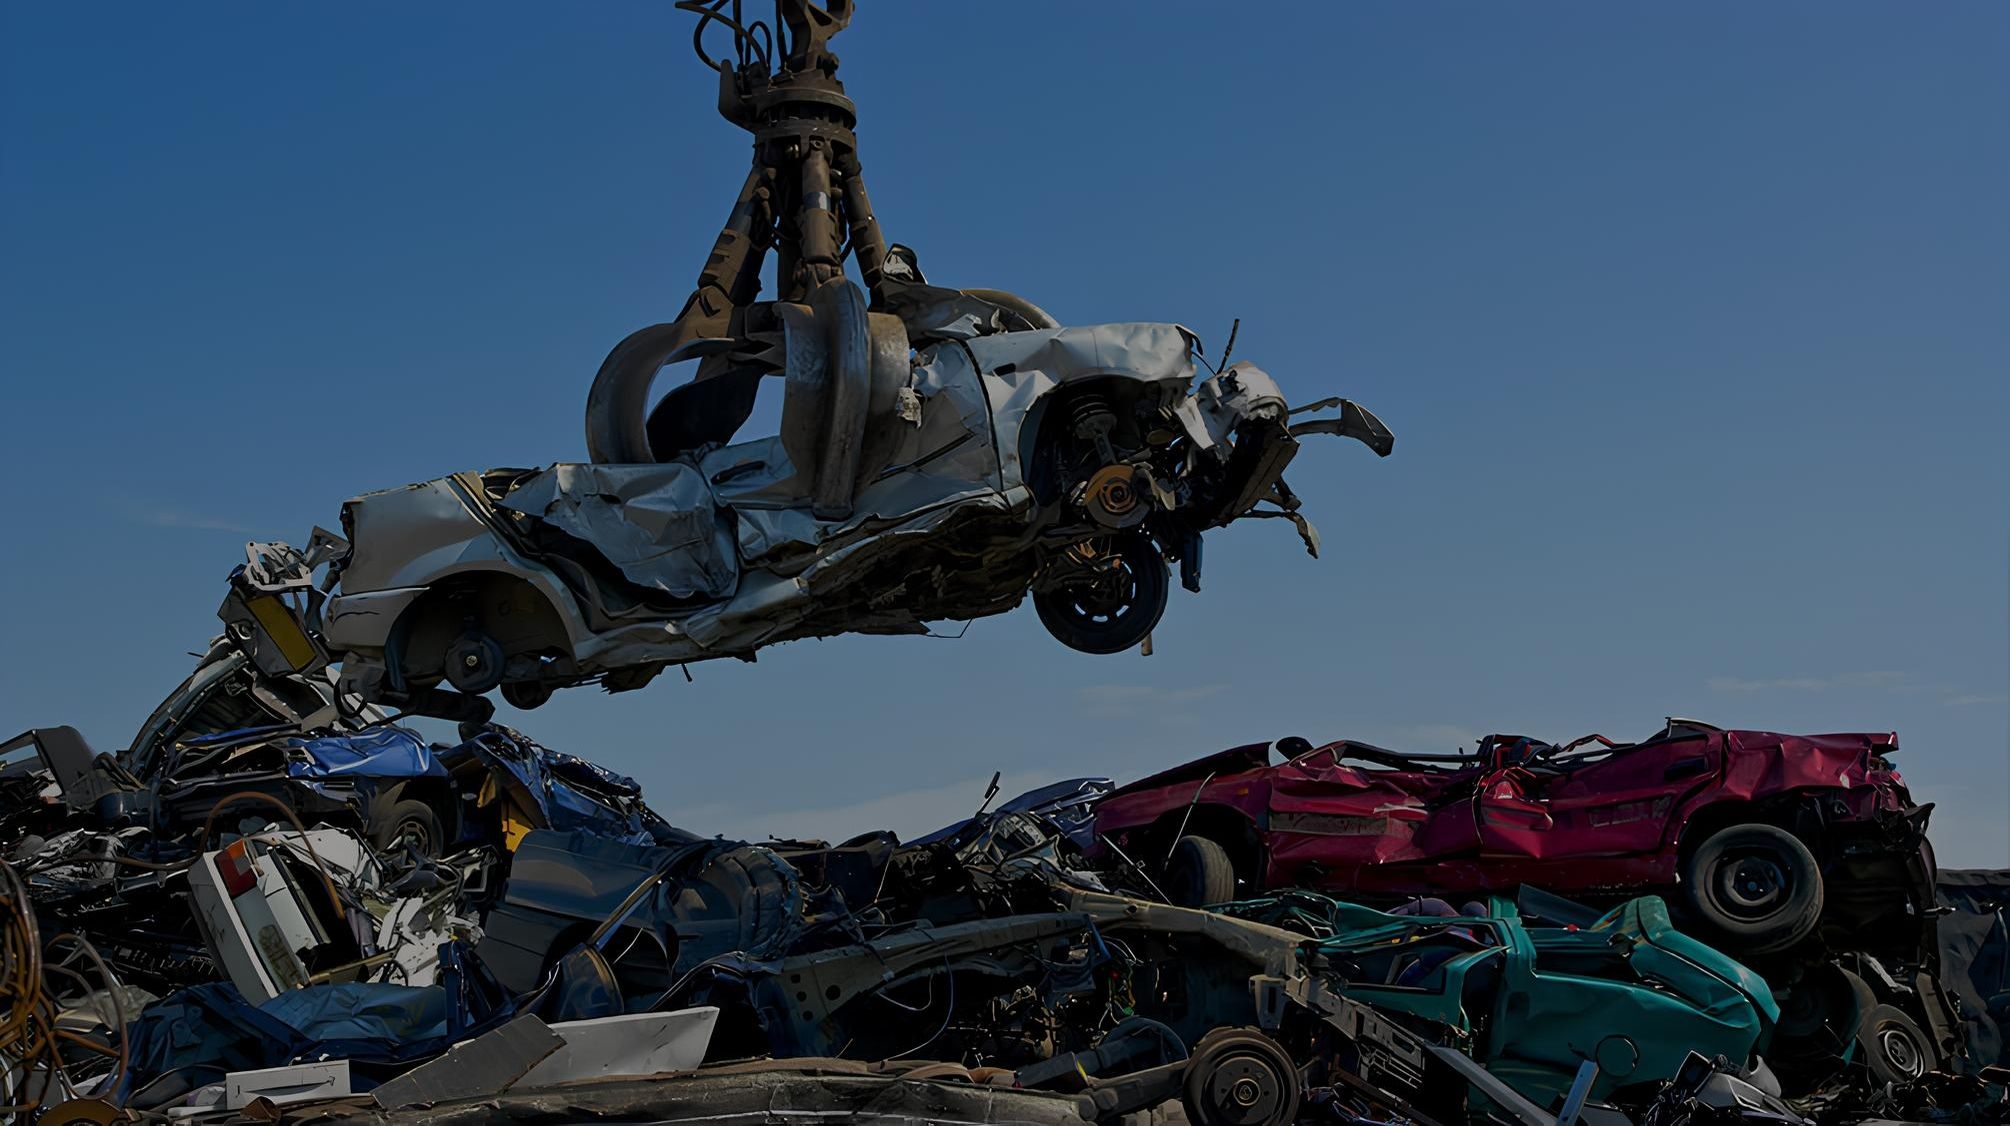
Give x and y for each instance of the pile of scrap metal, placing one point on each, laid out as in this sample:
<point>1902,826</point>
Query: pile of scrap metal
<point>276,903</point>
<point>980,963</point>
<point>263,919</point>
<point>324,918</point>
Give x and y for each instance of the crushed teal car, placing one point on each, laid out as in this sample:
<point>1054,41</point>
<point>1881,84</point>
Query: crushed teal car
<point>1532,1002</point>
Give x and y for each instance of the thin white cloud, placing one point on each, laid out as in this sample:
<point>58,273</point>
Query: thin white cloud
<point>1879,680</point>
<point>1883,678</point>
<point>175,518</point>
<point>149,515</point>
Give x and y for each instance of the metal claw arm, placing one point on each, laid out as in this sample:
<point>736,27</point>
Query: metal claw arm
<point>805,187</point>
<point>1355,421</point>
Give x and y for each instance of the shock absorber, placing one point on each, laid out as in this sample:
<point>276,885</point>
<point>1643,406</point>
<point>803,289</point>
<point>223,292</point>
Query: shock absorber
<point>1093,420</point>
<point>1112,495</point>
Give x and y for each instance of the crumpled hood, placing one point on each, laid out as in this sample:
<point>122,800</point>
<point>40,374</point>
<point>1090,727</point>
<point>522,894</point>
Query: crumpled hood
<point>1144,349</point>
<point>1221,764</point>
<point>381,752</point>
<point>1673,959</point>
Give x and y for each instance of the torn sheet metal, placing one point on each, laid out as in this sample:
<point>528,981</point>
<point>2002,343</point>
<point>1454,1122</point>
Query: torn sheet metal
<point>291,1084</point>
<point>670,908</point>
<point>384,752</point>
<point>294,1082</point>
<point>656,523</point>
<point>482,1066</point>
<point>625,1046</point>
<point>540,788</point>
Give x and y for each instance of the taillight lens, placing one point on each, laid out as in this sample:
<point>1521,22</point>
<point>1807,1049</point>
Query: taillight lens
<point>234,865</point>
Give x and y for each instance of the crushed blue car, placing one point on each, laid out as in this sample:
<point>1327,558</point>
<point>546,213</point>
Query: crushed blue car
<point>402,791</point>
<point>1068,807</point>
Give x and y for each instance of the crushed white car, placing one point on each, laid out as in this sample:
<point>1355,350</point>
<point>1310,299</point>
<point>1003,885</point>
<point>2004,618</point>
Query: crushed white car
<point>1071,463</point>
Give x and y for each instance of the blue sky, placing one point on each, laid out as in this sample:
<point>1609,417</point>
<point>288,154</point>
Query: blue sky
<point>1690,320</point>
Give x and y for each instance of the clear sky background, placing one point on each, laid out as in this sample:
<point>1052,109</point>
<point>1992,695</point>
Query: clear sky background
<point>1690,320</point>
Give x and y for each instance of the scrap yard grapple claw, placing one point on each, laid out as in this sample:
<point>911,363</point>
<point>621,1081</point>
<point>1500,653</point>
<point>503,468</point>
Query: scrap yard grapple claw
<point>941,454</point>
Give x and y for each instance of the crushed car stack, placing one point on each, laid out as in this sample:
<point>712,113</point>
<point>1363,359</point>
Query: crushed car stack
<point>271,908</point>
<point>279,903</point>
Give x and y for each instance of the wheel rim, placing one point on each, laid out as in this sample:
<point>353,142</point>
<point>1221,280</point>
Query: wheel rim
<point>1753,885</point>
<point>1900,1050</point>
<point>474,663</point>
<point>1244,1089</point>
<point>1101,600</point>
<point>1107,594</point>
<point>415,834</point>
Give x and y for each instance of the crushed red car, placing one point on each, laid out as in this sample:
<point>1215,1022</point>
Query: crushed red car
<point>1804,856</point>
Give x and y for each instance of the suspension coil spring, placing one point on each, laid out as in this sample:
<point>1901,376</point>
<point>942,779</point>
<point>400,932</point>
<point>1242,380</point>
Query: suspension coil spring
<point>1092,416</point>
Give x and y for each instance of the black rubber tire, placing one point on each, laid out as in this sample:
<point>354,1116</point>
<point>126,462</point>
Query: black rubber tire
<point>1894,1048</point>
<point>1240,1077</point>
<point>526,694</point>
<point>1087,626</point>
<point>1199,873</point>
<point>407,820</point>
<point>1756,885</point>
<point>1822,1010</point>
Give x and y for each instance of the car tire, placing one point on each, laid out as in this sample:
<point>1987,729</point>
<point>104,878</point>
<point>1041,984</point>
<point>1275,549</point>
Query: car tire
<point>526,694</point>
<point>1239,1077</point>
<point>1756,885</point>
<point>1895,1049</point>
<point>1821,1010</point>
<point>1199,873</point>
<point>1088,616</point>
<point>402,821</point>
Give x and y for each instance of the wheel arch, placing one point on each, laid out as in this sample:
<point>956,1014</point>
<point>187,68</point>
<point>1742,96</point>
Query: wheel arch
<point>519,613</point>
<point>1047,413</point>
<point>1798,812</point>
<point>1227,826</point>
<point>435,792</point>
